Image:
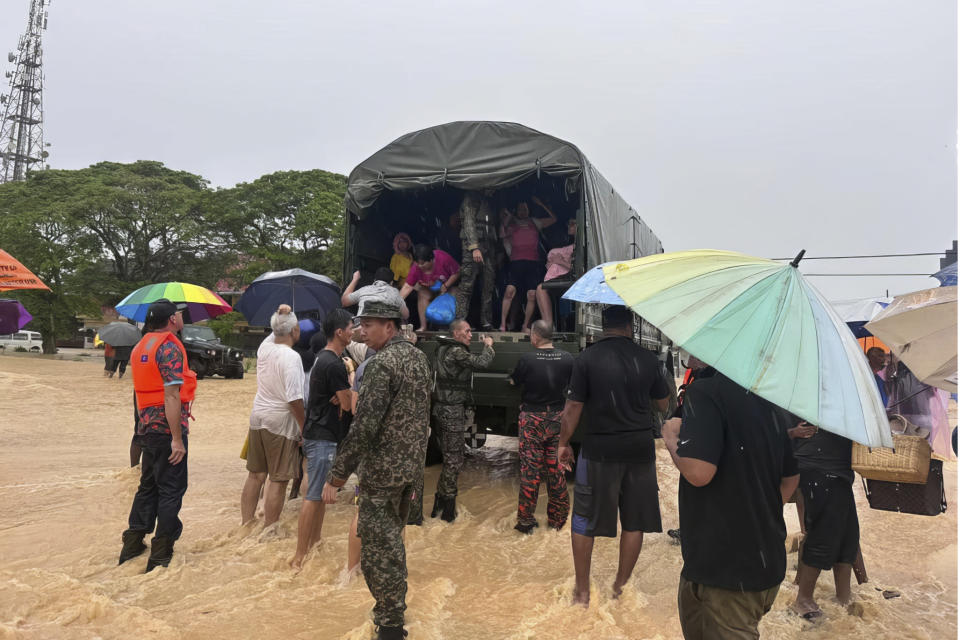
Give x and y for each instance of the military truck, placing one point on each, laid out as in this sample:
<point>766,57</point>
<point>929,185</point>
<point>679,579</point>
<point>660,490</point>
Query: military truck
<point>415,185</point>
<point>208,356</point>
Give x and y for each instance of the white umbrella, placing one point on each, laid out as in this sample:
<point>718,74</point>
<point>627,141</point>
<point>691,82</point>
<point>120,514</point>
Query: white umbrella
<point>921,329</point>
<point>860,309</point>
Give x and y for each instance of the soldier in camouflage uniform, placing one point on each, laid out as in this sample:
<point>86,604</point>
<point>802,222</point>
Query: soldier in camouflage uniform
<point>455,364</point>
<point>387,447</point>
<point>478,235</point>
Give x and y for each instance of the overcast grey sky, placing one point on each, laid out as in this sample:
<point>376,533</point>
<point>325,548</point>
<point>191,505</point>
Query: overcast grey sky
<point>756,126</point>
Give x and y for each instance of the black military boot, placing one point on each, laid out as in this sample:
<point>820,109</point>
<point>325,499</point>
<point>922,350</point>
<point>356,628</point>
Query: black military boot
<point>132,545</point>
<point>391,633</point>
<point>449,509</point>
<point>438,501</point>
<point>161,553</point>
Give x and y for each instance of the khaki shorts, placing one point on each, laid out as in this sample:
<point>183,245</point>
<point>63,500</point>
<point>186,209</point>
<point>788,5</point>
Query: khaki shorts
<point>274,455</point>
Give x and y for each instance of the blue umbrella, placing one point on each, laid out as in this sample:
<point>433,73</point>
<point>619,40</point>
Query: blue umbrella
<point>947,276</point>
<point>302,290</point>
<point>592,288</point>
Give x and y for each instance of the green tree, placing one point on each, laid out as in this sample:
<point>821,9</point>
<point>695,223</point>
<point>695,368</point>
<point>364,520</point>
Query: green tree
<point>96,234</point>
<point>149,220</point>
<point>284,220</point>
<point>39,233</point>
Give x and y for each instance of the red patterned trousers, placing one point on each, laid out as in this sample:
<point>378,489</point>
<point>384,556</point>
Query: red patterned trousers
<point>539,438</point>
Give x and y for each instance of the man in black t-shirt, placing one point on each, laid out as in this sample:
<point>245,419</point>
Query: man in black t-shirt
<point>544,375</point>
<point>737,470</point>
<point>328,419</point>
<point>830,517</point>
<point>613,383</point>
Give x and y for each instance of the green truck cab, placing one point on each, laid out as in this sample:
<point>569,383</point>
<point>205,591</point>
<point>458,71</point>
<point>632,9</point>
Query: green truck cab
<point>415,185</point>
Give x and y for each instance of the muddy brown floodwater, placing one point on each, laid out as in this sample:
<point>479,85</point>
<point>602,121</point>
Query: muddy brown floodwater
<point>65,491</point>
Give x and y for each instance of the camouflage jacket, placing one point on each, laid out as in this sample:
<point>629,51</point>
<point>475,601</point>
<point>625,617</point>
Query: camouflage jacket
<point>387,442</point>
<point>455,364</point>
<point>478,222</point>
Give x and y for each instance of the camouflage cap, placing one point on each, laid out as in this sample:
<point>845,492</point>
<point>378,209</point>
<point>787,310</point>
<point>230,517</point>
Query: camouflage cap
<point>378,309</point>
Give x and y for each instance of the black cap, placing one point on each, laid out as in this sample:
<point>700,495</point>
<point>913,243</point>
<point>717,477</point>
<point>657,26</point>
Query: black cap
<point>160,311</point>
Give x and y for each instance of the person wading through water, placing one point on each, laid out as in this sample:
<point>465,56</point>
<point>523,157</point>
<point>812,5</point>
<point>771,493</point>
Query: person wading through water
<point>165,387</point>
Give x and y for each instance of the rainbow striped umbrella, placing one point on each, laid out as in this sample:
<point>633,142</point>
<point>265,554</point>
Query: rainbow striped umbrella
<point>202,304</point>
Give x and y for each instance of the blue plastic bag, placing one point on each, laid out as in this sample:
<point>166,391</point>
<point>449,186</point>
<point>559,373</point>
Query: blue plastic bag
<point>442,310</point>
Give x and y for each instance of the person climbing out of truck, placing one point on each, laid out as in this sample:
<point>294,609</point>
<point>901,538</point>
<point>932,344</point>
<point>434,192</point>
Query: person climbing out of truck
<point>402,258</point>
<point>478,231</point>
<point>454,366</point>
<point>521,239</point>
<point>429,266</point>
<point>381,289</point>
<point>559,263</point>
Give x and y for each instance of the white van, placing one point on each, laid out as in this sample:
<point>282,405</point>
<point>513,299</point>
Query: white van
<point>29,340</point>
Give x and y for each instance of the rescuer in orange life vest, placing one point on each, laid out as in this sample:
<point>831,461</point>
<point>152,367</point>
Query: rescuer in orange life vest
<point>164,386</point>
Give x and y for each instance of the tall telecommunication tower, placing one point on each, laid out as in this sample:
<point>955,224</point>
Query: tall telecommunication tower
<point>21,130</point>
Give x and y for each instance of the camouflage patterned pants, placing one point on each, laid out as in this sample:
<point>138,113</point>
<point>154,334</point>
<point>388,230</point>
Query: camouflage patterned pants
<point>539,439</point>
<point>383,558</point>
<point>469,270</point>
<point>451,420</point>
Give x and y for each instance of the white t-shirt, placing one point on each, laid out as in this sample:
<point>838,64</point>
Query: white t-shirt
<point>279,381</point>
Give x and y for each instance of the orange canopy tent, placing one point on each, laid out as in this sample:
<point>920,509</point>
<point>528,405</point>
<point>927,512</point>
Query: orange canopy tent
<point>14,275</point>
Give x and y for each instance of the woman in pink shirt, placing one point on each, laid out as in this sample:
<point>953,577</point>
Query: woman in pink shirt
<point>430,266</point>
<point>559,263</point>
<point>521,237</point>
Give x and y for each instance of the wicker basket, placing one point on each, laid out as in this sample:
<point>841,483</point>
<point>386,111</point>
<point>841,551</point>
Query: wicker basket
<point>909,461</point>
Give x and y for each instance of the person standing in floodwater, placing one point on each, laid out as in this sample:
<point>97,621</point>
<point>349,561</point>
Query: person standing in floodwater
<point>387,447</point>
<point>612,386</point>
<point>455,366</point>
<point>544,375</point>
<point>737,470</point>
<point>164,386</point>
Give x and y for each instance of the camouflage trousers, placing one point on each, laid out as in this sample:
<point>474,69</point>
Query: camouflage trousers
<point>451,421</point>
<point>383,558</point>
<point>539,440</point>
<point>469,270</point>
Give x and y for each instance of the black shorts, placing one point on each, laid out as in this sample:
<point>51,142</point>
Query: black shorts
<point>830,517</point>
<point>525,275</point>
<point>604,489</point>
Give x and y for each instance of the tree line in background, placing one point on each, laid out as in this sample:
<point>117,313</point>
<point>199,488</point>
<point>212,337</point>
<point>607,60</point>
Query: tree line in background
<point>95,235</point>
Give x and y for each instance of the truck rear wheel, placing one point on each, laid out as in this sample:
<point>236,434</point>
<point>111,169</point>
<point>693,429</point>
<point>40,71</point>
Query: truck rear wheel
<point>475,437</point>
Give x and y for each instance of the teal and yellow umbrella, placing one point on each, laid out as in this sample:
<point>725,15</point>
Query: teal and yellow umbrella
<point>762,325</point>
<point>202,304</point>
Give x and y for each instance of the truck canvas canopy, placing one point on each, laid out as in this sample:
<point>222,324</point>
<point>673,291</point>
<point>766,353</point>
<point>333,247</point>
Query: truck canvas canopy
<point>496,156</point>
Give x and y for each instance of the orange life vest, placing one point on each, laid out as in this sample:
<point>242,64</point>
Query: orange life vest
<point>147,382</point>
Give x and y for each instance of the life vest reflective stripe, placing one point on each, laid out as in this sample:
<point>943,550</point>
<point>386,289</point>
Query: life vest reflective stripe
<point>147,381</point>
